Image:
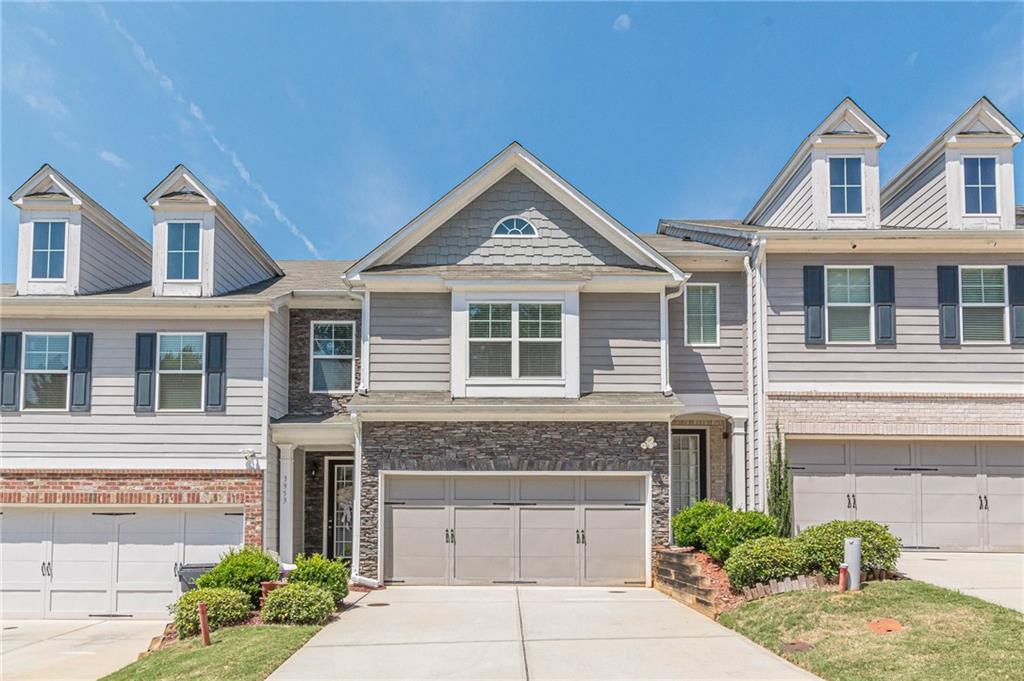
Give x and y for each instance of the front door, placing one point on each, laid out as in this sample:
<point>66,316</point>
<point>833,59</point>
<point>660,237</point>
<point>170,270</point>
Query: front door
<point>340,495</point>
<point>688,463</point>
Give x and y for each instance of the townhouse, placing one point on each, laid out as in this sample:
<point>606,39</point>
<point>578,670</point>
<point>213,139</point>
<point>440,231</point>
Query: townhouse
<point>513,387</point>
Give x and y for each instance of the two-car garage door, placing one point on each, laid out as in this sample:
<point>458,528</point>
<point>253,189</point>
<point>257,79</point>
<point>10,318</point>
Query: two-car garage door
<point>532,529</point>
<point>82,562</point>
<point>957,496</point>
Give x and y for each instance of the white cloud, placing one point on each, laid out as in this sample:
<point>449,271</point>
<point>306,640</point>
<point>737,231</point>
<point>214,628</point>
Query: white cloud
<point>42,36</point>
<point>51,104</point>
<point>168,86</point>
<point>114,160</point>
<point>66,141</point>
<point>250,218</point>
<point>912,58</point>
<point>622,23</point>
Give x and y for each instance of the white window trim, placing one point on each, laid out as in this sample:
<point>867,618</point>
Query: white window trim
<point>333,322</point>
<point>718,316</point>
<point>199,255</point>
<point>1005,305</point>
<point>201,371</point>
<point>25,371</point>
<point>963,185</point>
<point>828,177</point>
<point>536,232</point>
<point>32,250</point>
<point>516,340</point>
<point>870,304</point>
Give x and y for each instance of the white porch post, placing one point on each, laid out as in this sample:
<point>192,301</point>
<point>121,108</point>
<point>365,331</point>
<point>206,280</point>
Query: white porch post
<point>286,503</point>
<point>738,443</point>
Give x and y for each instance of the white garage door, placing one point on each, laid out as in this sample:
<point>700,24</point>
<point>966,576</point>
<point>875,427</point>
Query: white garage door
<point>956,496</point>
<point>96,562</point>
<point>515,530</point>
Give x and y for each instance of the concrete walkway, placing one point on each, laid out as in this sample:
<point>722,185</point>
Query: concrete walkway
<point>528,633</point>
<point>71,649</point>
<point>994,577</point>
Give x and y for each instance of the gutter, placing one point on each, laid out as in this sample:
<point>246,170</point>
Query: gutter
<point>666,384</point>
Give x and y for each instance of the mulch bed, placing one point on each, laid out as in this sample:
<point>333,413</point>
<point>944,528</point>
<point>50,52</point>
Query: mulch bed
<point>725,599</point>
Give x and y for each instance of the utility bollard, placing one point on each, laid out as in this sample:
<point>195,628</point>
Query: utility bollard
<point>204,625</point>
<point>851,556</point>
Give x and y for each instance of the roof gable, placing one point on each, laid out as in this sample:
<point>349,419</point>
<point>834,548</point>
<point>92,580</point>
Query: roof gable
<point>513,158</point>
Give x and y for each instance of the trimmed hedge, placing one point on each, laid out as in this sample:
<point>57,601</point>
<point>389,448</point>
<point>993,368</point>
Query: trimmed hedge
<point>763,559</point>
<point>726,531</point>
<point>332,575</point>
<point>242,569</point>
<point>223,606</point>
<point>822,546</point>
<point>688,521</point>
<point>298,603</point>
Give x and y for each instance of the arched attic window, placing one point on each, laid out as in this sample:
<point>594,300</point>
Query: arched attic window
<point>514,227</point>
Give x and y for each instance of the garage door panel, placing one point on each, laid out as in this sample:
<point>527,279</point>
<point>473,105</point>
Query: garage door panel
<point>819,498</point>
<point>539,489</point>
<point>81,563</point>
<point>147,548</point>
<point>484,488</point>
<point>614,548</point>
<point>962,455</point>
<point>1004,465</point>
<point>416,552</point>
<point>209,533</point>
<point>484,546</point>
<point>951,517</point>
<point>824,456</point>
<point>881,455</point>
<point>22,554</point>
<point>416,488</point>
<point>548,548</point>
<point>613,490</point>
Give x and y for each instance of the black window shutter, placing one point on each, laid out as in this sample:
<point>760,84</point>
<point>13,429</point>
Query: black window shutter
<point>885,305</point>
<point>1015,274</point>
<point>145,371</point>
<point>216,365</point>
<point>814,304</point>
<point>10,366</point>
<point>949,304</point>
<point>81,371</point>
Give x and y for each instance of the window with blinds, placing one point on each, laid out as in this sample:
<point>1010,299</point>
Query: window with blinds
<point>46,371</point>
<point>848,304</point>
<point>701,314</point>
<point>180,371</point>
<point>332,355</point>
<point>515,340</point>
<point>983,304</point>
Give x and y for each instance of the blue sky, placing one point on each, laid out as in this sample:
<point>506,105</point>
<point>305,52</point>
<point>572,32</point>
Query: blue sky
<point>325,127</point>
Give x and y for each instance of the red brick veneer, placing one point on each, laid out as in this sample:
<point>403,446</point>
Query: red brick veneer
<point>162,487</point>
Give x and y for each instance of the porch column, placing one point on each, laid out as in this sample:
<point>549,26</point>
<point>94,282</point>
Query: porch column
<point>738,444</point>
<point>286,503</point>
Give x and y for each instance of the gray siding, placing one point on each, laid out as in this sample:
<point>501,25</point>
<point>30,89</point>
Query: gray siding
<point>278,364</point>
<point>620,342</point>
<point>792,207</point>
<point>711,369</point>
<point>234,267</point>
<point>736,243</point>
<point>410,341</point>
<point>112,435</point>
<point>922,203</point>
<point>563,239</point>
<point>105,264</point>
<point>917,357</point>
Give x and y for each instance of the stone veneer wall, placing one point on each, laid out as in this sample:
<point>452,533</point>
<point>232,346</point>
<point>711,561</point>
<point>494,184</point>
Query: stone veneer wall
<point>906,414</point>
<point>717,456</point>
<point>502,446</point>
<point>300,401</point>
<point>156,487</point>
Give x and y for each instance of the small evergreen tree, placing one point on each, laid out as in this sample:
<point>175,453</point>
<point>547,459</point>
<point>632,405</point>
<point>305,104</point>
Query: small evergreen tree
<point>780,487</point>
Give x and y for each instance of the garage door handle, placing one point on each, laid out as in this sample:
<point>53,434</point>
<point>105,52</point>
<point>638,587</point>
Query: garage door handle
<point>583,536</point>
<point>855,501</point>
<point>577,536</point>
<point>446,540</point>
<point>848,504</point>
<point>981,504</point>
<point>986,502</point>
<point>42,566</point>
<point>49,569</point>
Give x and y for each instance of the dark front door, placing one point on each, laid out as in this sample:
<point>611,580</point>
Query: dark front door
<point>339,510</point>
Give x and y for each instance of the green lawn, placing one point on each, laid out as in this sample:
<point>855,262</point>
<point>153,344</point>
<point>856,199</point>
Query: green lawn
<point>946,635</point>
<point>237,653</point>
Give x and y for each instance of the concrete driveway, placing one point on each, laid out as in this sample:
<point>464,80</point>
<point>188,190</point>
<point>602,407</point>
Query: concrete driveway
<point>528,633</point>
<point>71,649</point>
<point>995,577</point>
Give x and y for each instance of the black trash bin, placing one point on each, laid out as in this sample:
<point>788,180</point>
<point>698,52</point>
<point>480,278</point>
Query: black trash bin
<point>188,573</point>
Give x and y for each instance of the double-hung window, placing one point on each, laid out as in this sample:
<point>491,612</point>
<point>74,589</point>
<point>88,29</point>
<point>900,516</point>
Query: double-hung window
<point>983,304</point>
<point>332,357</point>
<point>180,371</point>
<point>46,371</point>
<point>980,185</point>
<point>701,314</point>
<point>48,240</point>
<point>182,251</point>
<point>515,340</point>
<point>848,300</point>
<point>845,185</point>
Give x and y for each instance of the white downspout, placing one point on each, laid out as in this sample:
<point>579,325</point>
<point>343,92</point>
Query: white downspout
<point>666,385</point>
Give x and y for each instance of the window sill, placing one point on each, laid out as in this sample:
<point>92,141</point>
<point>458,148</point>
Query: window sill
<point>336,393</point>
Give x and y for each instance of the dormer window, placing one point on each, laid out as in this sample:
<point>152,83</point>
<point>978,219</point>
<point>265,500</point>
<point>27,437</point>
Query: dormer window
<point>514,227</point>
<point>845,185</point>
<point>48,240</point>
<point>980,185</point>
<point>182,251</point>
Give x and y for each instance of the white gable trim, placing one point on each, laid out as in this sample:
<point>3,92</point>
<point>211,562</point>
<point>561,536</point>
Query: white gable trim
<point>180,174</point>
<point>513,157</point>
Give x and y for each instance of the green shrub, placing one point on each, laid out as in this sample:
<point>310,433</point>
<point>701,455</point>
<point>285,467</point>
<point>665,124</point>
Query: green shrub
<point>298,603</point>
<point>762,559</point>
<point>332,575</point>
<point>726,531</point>
<point>822,546</point>
<point>223,606</point>
<point>687,522</point>
<point>242,569</point>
